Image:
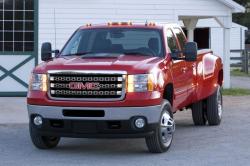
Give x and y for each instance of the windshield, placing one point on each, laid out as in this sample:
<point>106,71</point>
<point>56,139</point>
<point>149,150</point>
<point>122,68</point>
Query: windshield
<point>133,41</point>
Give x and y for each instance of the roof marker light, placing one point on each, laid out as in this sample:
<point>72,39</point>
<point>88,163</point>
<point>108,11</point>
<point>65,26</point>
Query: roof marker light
<point>119,23</point>
<point>88,25</point>
<point>150,24</point>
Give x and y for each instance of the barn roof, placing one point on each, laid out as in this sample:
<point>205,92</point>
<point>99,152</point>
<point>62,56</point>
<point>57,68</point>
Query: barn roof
<point>237,8</point>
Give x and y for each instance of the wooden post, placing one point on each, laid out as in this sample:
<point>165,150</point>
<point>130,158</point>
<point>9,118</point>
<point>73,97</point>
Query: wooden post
<point>190,25</point>
<point>247,60</point>
<point>226,58</point>
<point>243,60</point>
<point>226,23</point>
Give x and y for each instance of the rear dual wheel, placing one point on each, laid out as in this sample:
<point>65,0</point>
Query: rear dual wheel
<point>198,114</point>
<point>214,108</point>
<point>208,110</point>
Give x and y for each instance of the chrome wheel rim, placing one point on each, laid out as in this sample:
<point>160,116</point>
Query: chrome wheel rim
<point>167,128</point>
<point>219,102</point>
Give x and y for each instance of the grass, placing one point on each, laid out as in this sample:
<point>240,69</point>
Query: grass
<point>238,72</point>
<point>236,92</point>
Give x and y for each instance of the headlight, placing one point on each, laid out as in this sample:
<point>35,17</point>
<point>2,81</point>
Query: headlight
<point>38,82</point>
<point>140,83</point>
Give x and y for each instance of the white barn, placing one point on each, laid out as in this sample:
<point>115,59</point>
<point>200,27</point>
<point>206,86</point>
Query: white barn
<point>55,20</point>
<point>208,33</point>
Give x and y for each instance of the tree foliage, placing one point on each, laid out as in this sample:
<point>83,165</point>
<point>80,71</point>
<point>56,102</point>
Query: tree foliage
<point>243,18</point>
<point>242,2</point>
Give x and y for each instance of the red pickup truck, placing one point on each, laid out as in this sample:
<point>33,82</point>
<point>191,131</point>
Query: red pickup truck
<point>123,80</point>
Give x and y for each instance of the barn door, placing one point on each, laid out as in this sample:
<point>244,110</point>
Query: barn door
<point>201,37</point>
<point>18,45</point>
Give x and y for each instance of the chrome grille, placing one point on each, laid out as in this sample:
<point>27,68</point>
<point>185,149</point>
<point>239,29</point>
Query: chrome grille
<point>87,85</point>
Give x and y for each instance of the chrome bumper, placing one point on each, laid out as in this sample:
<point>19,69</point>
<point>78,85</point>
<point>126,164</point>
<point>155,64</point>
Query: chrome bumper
<point>151,113</point>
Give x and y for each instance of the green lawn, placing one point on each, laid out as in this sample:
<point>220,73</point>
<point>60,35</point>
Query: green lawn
<point>238,72</point>
<point>236,92</point>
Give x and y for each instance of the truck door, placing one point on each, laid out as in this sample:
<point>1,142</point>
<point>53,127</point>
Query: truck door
<point>190,67</point>
<point>178,72</point>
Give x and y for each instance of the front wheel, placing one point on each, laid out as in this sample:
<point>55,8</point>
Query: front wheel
<point>162,138</point>
<point>42,142</point>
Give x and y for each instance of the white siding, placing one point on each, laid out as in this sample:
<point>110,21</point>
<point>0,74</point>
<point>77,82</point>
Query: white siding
<point>217,41</point>
<point>237,37</point>
<point>237,41</point>
<point>64,16</point>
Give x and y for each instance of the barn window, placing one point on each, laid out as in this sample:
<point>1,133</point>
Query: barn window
<point>16,25</point>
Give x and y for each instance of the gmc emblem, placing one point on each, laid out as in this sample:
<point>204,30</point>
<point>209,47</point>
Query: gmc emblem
<point>84,86</point>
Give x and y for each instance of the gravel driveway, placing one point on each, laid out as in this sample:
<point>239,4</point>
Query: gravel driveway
<point>240,82</point>
<point>227,144</point>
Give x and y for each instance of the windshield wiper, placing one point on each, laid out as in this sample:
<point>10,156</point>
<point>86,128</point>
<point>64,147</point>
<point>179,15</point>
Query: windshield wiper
<point>137,53</point>
<point>101,55</point>
<point>79,53</point>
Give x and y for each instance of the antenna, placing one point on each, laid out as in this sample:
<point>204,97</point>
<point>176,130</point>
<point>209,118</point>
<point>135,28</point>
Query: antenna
<point>55,25</point>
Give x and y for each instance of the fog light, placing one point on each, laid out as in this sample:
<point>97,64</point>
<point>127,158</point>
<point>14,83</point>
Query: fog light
<point>38,120</point>
<point>140,123</point>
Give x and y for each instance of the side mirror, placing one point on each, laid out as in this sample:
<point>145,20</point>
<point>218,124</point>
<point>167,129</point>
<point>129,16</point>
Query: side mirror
<point>46,51</point>
<point>175,54</point>
<point>190,51</point>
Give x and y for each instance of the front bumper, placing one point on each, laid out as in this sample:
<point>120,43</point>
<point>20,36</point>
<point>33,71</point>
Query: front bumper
<point>116,121</point>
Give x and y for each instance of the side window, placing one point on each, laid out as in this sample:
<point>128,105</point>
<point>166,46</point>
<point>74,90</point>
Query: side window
<point>172,44</point>
<point>181,38</point>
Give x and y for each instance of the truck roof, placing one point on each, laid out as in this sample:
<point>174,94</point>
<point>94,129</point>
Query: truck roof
<point>150,25</point>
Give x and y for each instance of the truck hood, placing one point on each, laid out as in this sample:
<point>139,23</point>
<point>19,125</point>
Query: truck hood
<point>132,64</point>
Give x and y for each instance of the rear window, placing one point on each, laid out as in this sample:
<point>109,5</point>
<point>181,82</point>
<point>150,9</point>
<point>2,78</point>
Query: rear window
<point>116,40</point>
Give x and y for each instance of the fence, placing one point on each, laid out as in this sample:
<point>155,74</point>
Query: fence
<point>244,60</point>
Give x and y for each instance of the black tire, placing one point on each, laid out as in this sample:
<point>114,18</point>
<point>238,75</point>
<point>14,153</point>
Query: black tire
<point>214,115</point>
<point>198,114</point>
<point>42,142</point>
<point>155,142</point>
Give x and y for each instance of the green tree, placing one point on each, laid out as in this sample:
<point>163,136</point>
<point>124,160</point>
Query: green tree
<point>242,2</point>
<point>243,18</point>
